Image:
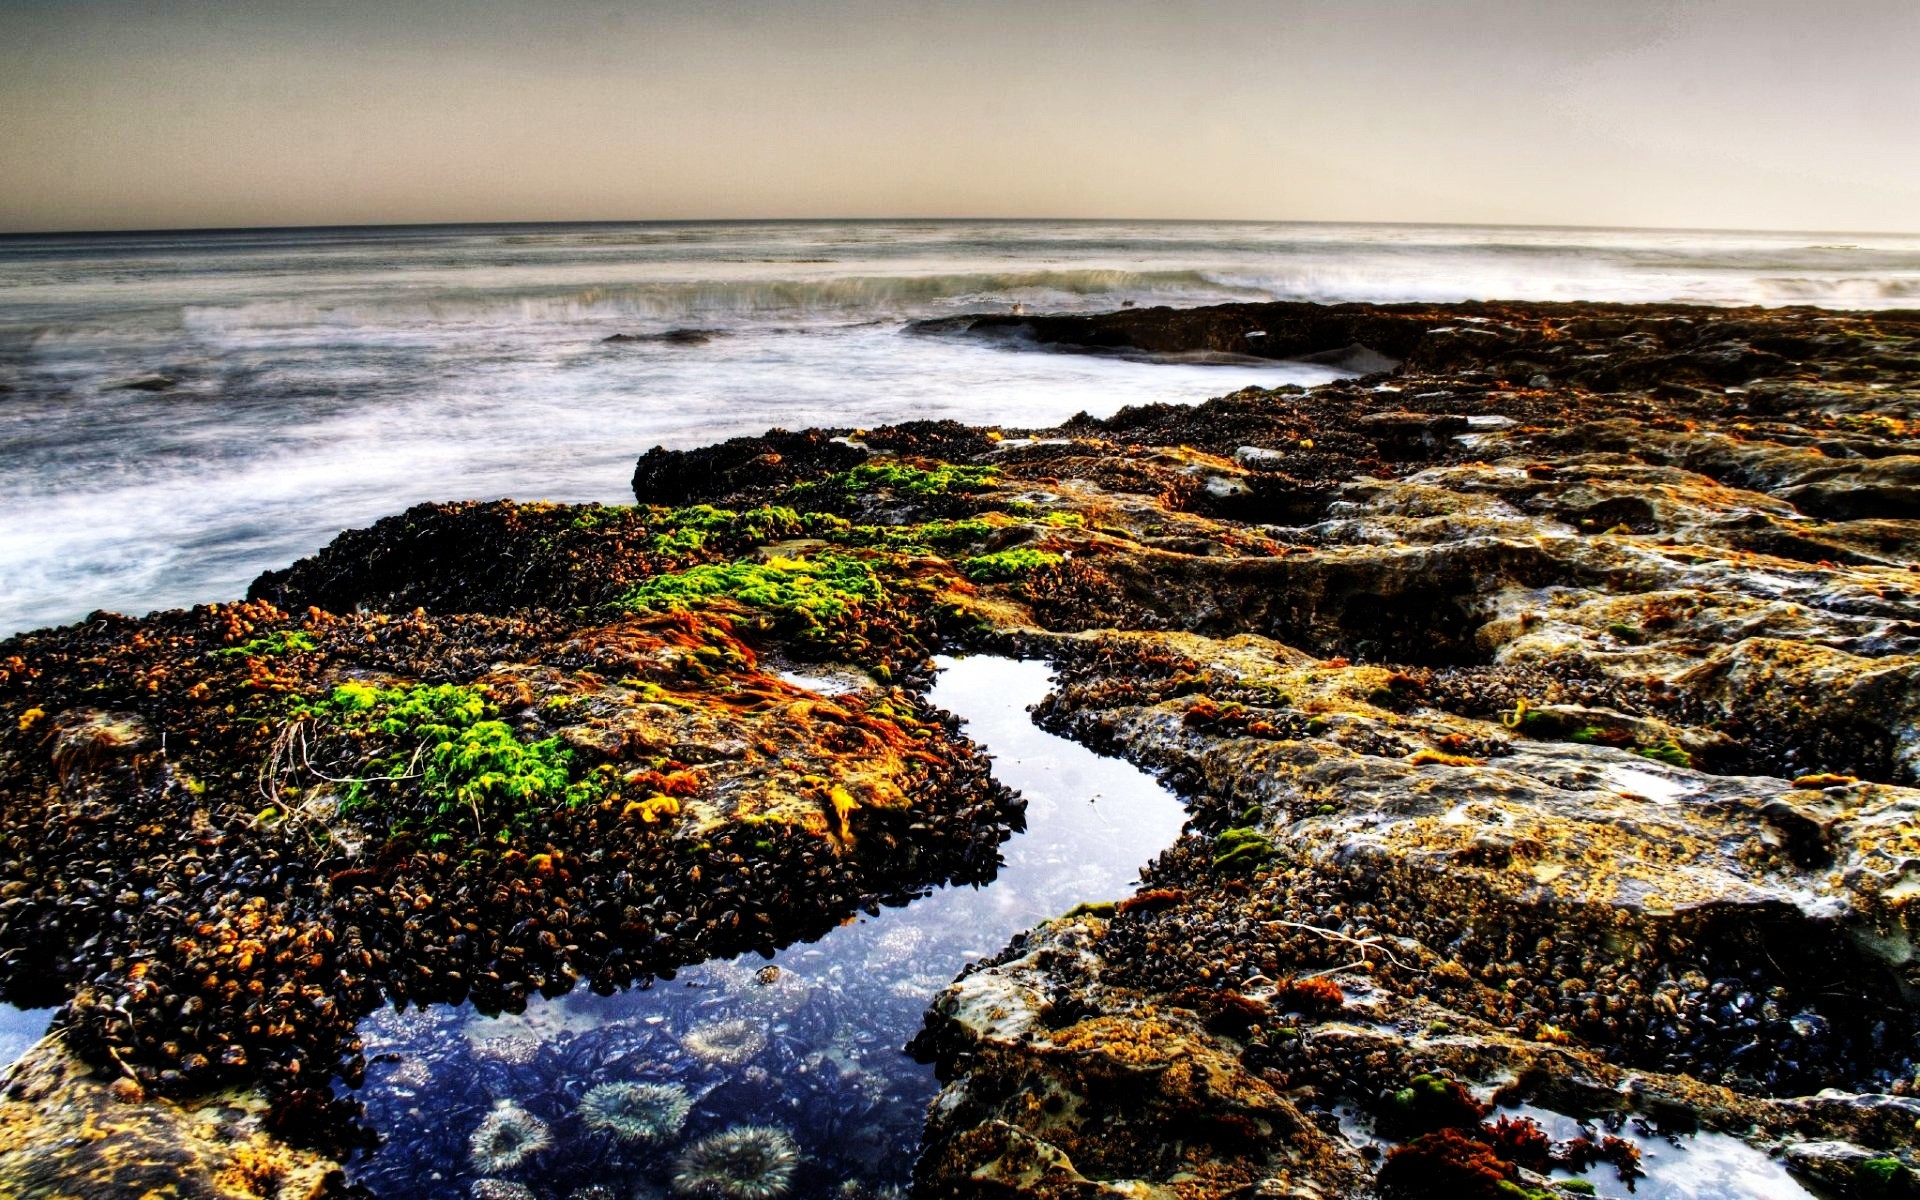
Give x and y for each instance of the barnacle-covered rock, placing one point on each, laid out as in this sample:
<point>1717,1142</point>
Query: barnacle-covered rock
<point>69,1134</point>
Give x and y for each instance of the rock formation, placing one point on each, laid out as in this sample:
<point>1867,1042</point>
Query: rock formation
<point>1548,708</point>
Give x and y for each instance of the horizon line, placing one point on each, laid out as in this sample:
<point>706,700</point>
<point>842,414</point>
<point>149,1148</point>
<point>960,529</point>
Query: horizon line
<point>391,226</point>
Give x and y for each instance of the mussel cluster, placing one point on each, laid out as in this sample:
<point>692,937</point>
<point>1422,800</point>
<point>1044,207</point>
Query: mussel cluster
<point>161,874</point>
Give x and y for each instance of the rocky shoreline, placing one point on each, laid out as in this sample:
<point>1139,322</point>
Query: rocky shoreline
<point>1548,708</point>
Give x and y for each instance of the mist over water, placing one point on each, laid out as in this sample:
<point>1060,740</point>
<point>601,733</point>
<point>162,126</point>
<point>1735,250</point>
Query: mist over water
<point>295,383</point>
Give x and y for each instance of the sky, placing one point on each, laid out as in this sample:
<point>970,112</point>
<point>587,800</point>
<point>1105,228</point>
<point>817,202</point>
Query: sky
<point>1746,114</point>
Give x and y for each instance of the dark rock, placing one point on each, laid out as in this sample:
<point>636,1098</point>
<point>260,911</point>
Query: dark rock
<point>741,471</point>
<point>670,337</point>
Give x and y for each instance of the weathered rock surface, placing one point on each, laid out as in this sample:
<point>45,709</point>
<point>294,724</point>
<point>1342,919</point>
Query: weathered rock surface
<point>1567,736</point>
<point>67,1135</point>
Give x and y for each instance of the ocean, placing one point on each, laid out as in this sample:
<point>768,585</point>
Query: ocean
<point>179,411</point>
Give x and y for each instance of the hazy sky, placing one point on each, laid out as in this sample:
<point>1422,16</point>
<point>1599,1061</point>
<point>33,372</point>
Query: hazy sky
<point>1739,113</point>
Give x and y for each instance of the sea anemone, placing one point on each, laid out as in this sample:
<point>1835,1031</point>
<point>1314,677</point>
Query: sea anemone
<point>724,1043</point>
<point>636,1112</point>
<point>747,1162</point>
<point>505,1137</point>
<point>501,1189</point>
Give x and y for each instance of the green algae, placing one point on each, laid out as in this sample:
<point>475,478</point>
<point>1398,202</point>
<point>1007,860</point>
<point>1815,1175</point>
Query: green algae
<point>1006,565</point>
<point>818,601</point>
<point>1551,726</point>
<point>1534,723</point>
<point>1241,848</point>
<point>923,538</point>
<point>1601,735</point>
<point>820,589</point>
<point>1092,908</point>
<point>1668,751</point>
<point>943,480</point>
<point>454,763</point>
<point>699,527</point>
<point>593,516</point>
<point>280,641</point>
<point>1883,1176</point>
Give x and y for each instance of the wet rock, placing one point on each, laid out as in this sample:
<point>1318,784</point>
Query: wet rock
<point>144,383</point>
<point>741,470</point>
<point>357,810</point>
<point>1115,1103</point>
<point>1849,1170</point>
<point>1543,799</point>
<point>669,337</point>
<point>68,1133</point>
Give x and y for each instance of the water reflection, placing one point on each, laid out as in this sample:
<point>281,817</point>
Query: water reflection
<point>1697,1165</point>
<point>1702,1165</point>
<point>754,1079</point>
<point>19,1029</point>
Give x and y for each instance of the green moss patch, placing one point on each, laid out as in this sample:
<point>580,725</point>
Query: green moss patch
<point>702,527</point>
<point>926,537</point>
<point>1104,909</point>
<point>944,480</point>
<point>808,599</point>
<point>1006,565</point>
<point>1668,752</point>
<point>450,767</point>
<point>280,641</point>
<point>1241,849</point>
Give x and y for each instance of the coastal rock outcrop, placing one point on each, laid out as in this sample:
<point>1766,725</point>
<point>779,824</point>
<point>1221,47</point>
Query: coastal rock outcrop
<point>1561,755</point>
<point>1548,709</point>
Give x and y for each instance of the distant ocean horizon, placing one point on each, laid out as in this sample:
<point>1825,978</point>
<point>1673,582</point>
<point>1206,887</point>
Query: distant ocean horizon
<point>180,410</point>
<point>377,227</point>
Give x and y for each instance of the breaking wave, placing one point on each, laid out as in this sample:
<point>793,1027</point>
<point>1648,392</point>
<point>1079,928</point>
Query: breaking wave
<point>839,297</point>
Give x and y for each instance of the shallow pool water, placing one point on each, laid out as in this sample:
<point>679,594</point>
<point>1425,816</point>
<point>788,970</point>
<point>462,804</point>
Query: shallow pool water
<point>802,1052</point>
<point>1680,1166</point>
<point>19,1029</point>
<point>1702,1165</point>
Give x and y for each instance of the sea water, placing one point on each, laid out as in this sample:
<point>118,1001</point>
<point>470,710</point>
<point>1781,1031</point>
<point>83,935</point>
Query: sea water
<point>181,411</point>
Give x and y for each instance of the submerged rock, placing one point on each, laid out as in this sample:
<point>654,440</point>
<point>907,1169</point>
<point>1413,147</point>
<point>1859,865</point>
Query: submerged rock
<point>669,337</point>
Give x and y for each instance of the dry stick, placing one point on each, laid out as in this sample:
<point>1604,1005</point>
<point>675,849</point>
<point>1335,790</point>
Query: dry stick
<point>292,745</point>
<point>1364,945</point>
